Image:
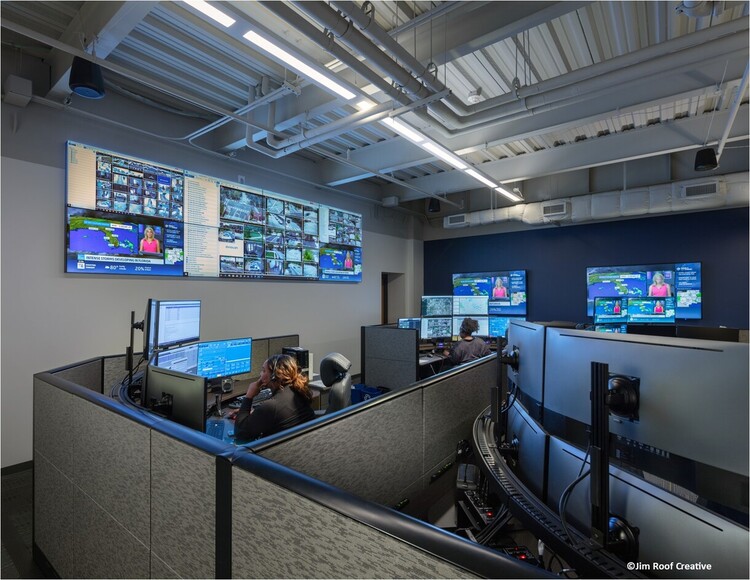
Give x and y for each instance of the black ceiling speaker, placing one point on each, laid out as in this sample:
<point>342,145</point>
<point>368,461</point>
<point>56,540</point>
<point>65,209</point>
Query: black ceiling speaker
<point>86,79</point>
<point>705,159</point>
<point>434,205</point>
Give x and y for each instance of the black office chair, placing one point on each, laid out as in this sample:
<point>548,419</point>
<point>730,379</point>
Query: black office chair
<point>334,372</point>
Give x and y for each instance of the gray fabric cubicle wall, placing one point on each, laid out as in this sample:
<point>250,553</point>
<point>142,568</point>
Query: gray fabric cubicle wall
<point>387,451</point>
<point>390,356</point>
<point>120,492</point>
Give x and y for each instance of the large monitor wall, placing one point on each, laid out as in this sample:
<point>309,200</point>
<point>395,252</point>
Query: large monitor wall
<point>556,260</point>
<point>131,216</point>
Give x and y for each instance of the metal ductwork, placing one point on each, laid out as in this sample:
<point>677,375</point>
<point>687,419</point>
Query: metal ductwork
<point>683,196</point>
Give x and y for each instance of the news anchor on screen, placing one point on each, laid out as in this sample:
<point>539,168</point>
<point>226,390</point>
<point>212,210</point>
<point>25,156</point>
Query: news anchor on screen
<point>499,290</point>
<point>658,287</point>
<point>149,243</point>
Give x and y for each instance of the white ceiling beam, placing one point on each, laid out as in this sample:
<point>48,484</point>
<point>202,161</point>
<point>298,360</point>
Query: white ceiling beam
<point>661,139</point>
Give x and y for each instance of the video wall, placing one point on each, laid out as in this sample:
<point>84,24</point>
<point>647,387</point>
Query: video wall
<point>135,217</point>
<point>647,293</point>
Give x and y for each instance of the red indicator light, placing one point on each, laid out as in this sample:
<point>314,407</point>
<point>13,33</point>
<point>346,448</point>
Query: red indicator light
<point>522,556</point>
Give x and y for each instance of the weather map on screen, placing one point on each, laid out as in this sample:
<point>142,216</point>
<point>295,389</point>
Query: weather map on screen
<point>679,281</point>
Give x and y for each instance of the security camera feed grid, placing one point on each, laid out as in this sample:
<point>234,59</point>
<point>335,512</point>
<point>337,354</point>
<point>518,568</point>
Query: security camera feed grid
<point>130,216</point>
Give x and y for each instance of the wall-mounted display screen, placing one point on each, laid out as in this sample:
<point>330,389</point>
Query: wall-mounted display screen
<point>130,216</point>
<point>506,290</point>
<point>482,321</point>
<point>679,281</point>
<point>437,306</point>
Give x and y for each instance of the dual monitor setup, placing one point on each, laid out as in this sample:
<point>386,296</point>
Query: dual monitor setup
<point>181,370</point>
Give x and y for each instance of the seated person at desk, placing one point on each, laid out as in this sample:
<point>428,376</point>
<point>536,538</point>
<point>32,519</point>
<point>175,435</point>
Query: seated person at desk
<point>469,347</point>
<point>288,405</point>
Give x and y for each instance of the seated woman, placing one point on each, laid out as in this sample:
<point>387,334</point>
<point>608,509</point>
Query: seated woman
<point>289,404</point>
<point>469,347</point>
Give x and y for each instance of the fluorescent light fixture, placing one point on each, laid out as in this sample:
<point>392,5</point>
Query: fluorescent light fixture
<point>509,194</point>
<point>212,12</point>
<point>445,155</point>
<point>298,65</point>
<point>364,105</point>
<point>403,130</point>
<point>478,176</point>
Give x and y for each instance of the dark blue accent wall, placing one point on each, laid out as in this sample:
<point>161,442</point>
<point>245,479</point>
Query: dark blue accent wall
<point>556,260</point>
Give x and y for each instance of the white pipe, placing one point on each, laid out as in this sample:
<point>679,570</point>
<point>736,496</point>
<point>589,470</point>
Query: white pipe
<point>733,112</point>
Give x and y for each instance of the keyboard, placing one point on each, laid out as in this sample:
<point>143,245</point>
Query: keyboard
<point>215,428</point>
<point>263,395</point>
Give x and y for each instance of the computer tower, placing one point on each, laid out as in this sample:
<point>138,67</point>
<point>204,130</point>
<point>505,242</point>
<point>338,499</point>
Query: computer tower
<point>303,358</point>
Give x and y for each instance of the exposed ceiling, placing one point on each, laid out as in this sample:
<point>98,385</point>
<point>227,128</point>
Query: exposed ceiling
<point>518,90</point>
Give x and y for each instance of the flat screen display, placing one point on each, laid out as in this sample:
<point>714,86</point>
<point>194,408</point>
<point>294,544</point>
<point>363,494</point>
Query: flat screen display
<point>177,322</point>
<point>483,321</point>
<point>224,358</point>
<point>470,305</point>
<point>506,290</point>
<point>679,281</point>
<point>610,310</point>
<point>436,327</point>
<point>126,215</point>
<point>410,323</point>
<point>499,325</point>
<point>437,306</point>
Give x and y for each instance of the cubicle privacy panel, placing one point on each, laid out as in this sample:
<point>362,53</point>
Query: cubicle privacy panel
<point>387,449</point>
<point>91,484</point>
<point>120,492</point>
<point>390,356</point>
<point>88,374</point>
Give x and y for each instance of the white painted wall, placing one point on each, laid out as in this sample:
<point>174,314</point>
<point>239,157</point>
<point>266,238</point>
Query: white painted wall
<point>50,318</point>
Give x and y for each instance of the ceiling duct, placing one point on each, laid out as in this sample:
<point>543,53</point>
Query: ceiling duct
<point>555,210</point>
<point>694,195</point>
<point>696,190</point>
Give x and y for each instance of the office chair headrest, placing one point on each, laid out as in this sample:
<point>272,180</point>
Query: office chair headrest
<point>333,368</point>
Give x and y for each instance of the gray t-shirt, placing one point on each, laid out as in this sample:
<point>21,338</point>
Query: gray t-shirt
<point>469,349</point>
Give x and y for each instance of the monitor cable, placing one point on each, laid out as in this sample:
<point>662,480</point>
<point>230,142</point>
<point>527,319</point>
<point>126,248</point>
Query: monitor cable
<point>565,496</point>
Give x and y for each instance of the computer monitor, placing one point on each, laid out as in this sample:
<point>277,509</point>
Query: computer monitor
<point>483,321</point>
<point>437,305</point>
<point>499,325</point>
<point>224,358</point>
<point>149,328</point>
<point>182,396</point>
<point>178,322</point>
<point>410,323</point>
<point>610,310</point>
<point>436,328</point>
<point>470,305</point>
<point>183,359</point>
<point>611,328</point>
<point>651,310</point>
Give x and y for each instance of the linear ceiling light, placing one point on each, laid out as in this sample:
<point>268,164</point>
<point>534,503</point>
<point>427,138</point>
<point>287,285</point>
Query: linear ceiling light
<point>509,194</point>
<point>403,130</point>
<point>445,155</point>
<point>212,12</point>
<point>478,176</point>
<point>293,62</point>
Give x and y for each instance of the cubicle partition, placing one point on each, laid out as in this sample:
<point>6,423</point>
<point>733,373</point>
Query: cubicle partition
<point>121,492</point>
<point>390,356</point>
<point>390,450</point>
